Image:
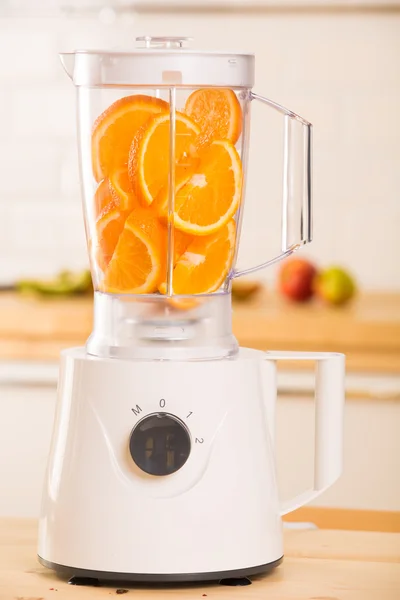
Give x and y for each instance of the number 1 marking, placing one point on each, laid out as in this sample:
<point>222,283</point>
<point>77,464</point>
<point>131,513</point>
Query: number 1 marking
<point>189,414</point>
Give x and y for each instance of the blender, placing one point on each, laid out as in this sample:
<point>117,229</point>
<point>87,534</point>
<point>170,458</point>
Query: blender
<point>162,465</point>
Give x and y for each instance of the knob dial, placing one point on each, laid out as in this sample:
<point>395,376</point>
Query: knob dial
<point>160,444</point>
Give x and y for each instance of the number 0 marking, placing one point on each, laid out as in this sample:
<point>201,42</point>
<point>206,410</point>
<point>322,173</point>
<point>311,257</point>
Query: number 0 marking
<point>199,440</point>
<point>162,403</point>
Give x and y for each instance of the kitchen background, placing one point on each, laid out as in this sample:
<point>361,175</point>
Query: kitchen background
<point>335,63</point>
<point>338,68</point>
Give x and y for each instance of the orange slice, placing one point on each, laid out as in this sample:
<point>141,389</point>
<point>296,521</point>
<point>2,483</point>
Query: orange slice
<point>138,262</point>
<point>121,190</point>
<point>115,128</point>
<point>149,161</point>
<point>218,113</point>
<point>182,176</point>
<point>116,189</point>
<point>204,266</point>
<point>102,197</point>
<point>209,198</point>
<point>109,227</point>
<point>181,243</point>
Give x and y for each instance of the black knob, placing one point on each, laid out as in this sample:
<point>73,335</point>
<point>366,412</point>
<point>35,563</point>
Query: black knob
<point>160,444</point>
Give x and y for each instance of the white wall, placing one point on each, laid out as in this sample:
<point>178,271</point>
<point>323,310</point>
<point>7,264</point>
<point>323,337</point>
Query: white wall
<point>339,70</point>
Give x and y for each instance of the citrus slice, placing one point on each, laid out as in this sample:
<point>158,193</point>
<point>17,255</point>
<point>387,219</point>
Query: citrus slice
<point>138,262</point>
<point>217,112</point>
<point>204,266</point>
<point>181,242</point>
<point>180,303</point>
<point>149,161</point>
<point>102,197</point>
<point>109,227</point>
<point>121,190</point>
<point>210,197</point>
<point>115,189</point>
<point>115,128</point>
<point>182,176</point>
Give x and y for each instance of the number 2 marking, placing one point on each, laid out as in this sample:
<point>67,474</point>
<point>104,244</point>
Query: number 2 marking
<point>198,440</point>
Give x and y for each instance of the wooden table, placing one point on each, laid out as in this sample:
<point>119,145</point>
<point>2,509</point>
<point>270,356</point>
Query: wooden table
<point>318,565</point>
<point>367,330</point>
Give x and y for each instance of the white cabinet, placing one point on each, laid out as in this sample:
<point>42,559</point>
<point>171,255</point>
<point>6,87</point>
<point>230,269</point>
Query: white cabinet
<point>371,470</point>
<point>27,404</point>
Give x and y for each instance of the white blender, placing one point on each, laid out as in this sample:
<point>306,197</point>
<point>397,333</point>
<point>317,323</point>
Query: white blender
<point>162,466</point>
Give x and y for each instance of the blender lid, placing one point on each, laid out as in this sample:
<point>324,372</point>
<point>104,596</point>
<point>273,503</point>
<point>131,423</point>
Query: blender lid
<point>161,62</point>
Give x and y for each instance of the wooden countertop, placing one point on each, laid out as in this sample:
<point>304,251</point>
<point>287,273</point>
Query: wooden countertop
<point>318,565</point>
<point>367,330</point>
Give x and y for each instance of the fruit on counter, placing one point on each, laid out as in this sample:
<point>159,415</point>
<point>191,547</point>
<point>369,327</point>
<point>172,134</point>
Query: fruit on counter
<point>115,128</point>
<point>64,284</point>
<point>131,159</point>
<point>243,289</point>
<point>335,285</point>
<point>218,113</point>
<point>296,279</point>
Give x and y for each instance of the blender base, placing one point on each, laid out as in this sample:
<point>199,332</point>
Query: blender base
<point>87,577</point>
<point>107,514</point>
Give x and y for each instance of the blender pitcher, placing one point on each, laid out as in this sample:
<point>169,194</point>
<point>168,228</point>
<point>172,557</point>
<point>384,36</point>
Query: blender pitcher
<point>162,463</point>
<point>164,136</point>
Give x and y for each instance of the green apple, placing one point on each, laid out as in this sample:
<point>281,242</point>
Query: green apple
<point>335,285</point>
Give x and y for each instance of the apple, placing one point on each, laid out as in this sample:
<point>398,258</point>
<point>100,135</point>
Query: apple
<point>335,285</point>
<point>296,279</point>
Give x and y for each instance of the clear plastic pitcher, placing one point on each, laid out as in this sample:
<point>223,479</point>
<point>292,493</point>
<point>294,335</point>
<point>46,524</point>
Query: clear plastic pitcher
<point>163,144</point>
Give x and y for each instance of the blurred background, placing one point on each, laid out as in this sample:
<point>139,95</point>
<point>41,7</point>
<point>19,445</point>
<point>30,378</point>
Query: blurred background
<point>338,68</point>
<point>336,63</point>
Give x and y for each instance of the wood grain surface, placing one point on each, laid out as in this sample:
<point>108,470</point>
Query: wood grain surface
<point>367,330</point>
<point>318,565</point>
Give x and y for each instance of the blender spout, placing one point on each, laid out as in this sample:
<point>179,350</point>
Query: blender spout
<point>68,62</point>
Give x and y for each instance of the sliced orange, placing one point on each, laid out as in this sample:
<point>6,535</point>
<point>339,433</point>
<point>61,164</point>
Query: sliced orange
<point>210,197</point>
<point>204,266</point>
<point>178,302</point>
<point>181,242</point>
<point>182,175</point>
<point>121,189</point>
<point>109,227</point>
<point>149,157</point>
<point>115,128</point>
<point>138,262</point>
<point>102,197</point>
<point>117,189</point>
<point>218,113</point>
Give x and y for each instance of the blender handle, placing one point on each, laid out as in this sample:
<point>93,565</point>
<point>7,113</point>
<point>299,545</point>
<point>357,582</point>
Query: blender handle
<point>297,197</point>
<point>329,409</point>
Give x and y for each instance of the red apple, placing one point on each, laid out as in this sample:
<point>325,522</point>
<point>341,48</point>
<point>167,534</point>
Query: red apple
<point>296,278</point>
